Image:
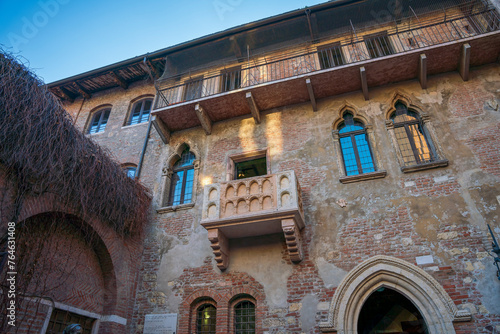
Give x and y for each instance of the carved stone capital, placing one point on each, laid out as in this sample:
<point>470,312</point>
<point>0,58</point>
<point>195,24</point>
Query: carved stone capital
<point>335,134</point>
<point>389,124</point>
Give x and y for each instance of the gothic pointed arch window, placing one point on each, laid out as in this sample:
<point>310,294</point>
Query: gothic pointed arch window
<point>412,136</point>
<point>356,151</point>
<point>181,185</point>
<point>354,144</point>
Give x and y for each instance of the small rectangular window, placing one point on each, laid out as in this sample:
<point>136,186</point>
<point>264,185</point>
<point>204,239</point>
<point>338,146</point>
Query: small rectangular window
<point>60,319</point>
<point>378,45</point>
<point>248,165</point>
<point>230,79</point>
<point>193,89</point>
<point>330,56</point>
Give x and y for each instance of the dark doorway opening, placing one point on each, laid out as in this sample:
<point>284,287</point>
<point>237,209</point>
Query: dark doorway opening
<point>389,312</point>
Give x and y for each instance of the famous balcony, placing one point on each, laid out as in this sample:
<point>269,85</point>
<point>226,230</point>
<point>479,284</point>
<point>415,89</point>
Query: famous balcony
<point>251,207</point>
<point>448,39</point>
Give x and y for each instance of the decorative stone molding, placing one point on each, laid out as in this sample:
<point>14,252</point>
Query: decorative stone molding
<point>254,206</point>
<point>437,308</point>
<point>293,239</point>
<point>220,246</point>
<point>428,129</point>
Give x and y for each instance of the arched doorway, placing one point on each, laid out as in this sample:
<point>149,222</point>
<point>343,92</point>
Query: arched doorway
<point>384,272</point>
<point>388,311</point>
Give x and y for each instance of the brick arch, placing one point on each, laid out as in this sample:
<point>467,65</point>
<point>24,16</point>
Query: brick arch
<point>106,243</point>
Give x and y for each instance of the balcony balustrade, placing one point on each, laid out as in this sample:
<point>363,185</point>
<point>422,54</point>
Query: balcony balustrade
<point>351,49</point>
<point>254,206</point>
<point>443,41</point>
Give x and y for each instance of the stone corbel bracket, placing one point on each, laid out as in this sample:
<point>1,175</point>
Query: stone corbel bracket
<point>293,239</point>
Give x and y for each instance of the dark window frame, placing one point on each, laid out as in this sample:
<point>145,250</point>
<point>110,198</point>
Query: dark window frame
<point>409,135</point>
<point>244,157</point>
<point>193,89</point>
<point>102,117</point>
<point>57,326</point>
<point>375,46</point>
<point>328,56</point>
<point>142,112</point>
<point>230,79</point>
<point>236,318</point>
<point>213,319</point>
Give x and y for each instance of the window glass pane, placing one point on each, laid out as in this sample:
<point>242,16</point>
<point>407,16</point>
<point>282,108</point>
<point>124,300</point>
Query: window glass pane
<point>206,319</point>
<point>186,159</point>
<point>99,121</point>
<point>350,128</point>
<point>177,179</point>
<point>420,143</point>
<point>251,168</point>
<point>404,146</point>
<point>364,153</point>
<point>350,164</point>
<point>189,186</point>
<point>244,318</point>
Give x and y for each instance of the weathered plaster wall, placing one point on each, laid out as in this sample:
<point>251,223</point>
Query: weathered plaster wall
<point>439,212</point>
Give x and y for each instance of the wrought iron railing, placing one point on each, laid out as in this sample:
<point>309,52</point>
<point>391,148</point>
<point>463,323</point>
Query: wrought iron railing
<point>354,47</point>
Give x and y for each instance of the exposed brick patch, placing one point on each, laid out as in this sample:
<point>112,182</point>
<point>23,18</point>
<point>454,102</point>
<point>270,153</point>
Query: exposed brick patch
<point>177,225</point>
<point>485,144</point>
<point>468,99</point>
<point>307,175</point>
<point>431,186</point>
<point>360,239</point>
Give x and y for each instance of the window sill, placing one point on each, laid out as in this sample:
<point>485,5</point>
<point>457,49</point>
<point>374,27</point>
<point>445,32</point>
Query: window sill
<point>174,208</point>
<point>428,165</point>
<point>363,177</point>
<point>134,125</point>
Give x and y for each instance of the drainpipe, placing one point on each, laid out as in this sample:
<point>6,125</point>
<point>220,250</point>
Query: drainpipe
<point>139,166</point>
<point>144,147</point>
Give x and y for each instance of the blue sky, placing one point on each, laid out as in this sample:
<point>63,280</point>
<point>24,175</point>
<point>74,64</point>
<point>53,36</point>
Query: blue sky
<point>61,38</point>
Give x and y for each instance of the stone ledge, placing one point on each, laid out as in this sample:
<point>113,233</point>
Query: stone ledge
<point>428,165</point>
<point>362,177</point>
<point>173,208</point>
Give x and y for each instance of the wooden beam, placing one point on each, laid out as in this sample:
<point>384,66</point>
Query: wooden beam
<point>155,71</point>
<point>464,65</point>
<point>119,80</point>
<point>82,91</point>
<point>206,122</point>
<point>161,128</point>
<point>311,94</point>
<point>65,94</point>
<point>253,107</point>
<point>364,83</point>
<point>422,71</point>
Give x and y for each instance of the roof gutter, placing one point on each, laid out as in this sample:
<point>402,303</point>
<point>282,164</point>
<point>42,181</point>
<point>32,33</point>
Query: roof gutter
<point>225,33</point>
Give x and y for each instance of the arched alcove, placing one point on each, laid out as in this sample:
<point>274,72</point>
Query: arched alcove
<point>424,292</point>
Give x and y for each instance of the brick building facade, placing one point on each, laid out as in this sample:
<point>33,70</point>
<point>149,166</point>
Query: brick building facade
<point>302,171</point>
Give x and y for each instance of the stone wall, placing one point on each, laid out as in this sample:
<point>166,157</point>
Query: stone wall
<point>437,214</point>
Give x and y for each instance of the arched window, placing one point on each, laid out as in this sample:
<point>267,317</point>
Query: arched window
<point>99,121</point>
<point>140,112</point>
<point>410,135</point>
<point>356,151</point>
<point>244,317</point>
<point>181,185</point>
<point>206,318</point>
